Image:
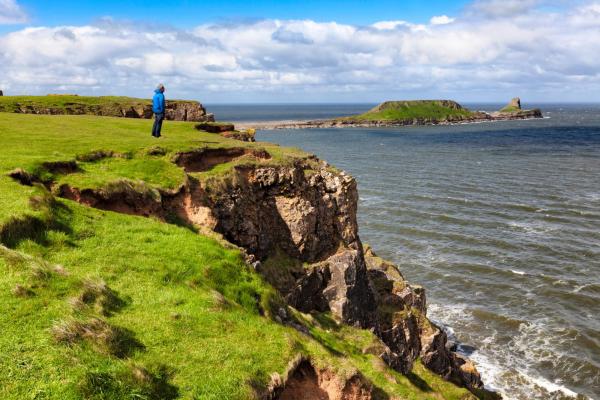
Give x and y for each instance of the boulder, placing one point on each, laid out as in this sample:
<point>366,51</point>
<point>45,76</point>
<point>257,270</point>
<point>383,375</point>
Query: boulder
<point>348,292</point>
<point>215,127</point>
<point>244,136</point>
<point>307,294</point>
<point>436,356</point>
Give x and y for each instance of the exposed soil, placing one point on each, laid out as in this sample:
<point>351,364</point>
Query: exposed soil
<point>205,159</point>
<point>307,383</point>
<point>61,167</point>
<point>124,200</point>
<point>23,177</point>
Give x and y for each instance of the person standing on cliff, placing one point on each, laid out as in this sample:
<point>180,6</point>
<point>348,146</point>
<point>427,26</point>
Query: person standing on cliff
<point>158,108</point>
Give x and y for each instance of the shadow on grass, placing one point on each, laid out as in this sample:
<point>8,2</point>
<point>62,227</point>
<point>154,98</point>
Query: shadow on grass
<point>53,216</point>
<point>418,382</point>
<point>134,383</point>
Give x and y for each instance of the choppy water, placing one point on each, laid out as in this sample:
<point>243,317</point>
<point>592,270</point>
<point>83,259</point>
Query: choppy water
<point>500,222</point>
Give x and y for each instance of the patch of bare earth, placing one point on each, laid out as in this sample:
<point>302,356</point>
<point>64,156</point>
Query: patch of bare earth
<point>308,383</point>
<point>205,159</point>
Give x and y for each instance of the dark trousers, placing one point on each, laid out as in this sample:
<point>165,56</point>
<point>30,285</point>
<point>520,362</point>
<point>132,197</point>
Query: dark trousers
<point>158,120</point>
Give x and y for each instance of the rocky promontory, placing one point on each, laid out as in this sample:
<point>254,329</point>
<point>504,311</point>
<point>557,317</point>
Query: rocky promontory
<point>201,266</point>
<point>107,106</point>
<point>297,225</point>
<point>407,113</point>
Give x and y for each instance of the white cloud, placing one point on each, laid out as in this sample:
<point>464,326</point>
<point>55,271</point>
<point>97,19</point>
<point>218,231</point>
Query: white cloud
<point>502,8</point>
<point>537,53</point>
<point>441,20</point>
<point>11,13</point>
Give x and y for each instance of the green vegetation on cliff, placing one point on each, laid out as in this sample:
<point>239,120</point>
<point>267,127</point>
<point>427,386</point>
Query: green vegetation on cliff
<point>416,109</point>
<point>110,106</point>
<point>103,305</point>
<point>103,105</point>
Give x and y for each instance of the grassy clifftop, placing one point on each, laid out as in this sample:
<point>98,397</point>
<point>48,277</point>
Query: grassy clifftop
<point>110,106</point>
<point>104,305</point>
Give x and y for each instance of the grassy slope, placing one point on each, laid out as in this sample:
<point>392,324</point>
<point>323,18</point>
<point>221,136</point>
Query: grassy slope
<point>409,110</point>
<point>511,109</point>
<point>186,309</point>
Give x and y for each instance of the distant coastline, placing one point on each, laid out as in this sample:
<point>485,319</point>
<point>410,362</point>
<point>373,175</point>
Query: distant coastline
<point>405,113</point>
<point>326,123</point>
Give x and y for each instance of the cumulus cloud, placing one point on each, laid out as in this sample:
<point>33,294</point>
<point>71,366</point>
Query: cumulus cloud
<point>502,8</point>
<point>538,53</point>
<point>11,12</point>
<point>441,20</point>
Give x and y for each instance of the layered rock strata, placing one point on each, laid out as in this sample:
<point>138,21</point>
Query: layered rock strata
<point>176,110</point>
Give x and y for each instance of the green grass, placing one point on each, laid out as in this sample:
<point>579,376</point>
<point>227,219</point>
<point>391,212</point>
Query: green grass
<point>410,110</point>
<point>510,109</point>
<point>102,305</point>
<point>59,104</point>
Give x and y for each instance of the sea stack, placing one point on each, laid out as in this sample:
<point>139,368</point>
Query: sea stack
<point>515,103</point>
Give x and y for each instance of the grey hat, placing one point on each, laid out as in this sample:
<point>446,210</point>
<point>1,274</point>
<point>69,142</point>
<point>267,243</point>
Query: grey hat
<point>160,86</point>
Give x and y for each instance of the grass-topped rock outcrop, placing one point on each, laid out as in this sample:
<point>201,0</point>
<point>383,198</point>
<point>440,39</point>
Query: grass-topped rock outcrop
<point>198,267</point>
<point>108,106</point>
<point>513,110</point>
<point>409,112</point>
<point>417,112</point>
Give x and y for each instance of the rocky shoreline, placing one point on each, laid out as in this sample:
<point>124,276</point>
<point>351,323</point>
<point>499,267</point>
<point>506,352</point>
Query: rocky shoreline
<point>345,123</point>
<point>406,113</point>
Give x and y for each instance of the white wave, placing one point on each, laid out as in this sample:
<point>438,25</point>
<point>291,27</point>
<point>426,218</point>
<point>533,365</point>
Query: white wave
<point>502,366</point>
<point>552,387</point>
<point>536,227</point>
<point>517,272</point>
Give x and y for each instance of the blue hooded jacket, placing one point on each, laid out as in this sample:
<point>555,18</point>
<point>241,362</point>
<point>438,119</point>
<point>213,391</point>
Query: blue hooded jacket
<point>158,102</point>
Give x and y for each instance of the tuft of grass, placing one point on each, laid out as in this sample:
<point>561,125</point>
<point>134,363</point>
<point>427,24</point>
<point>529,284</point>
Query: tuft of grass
<point>97,295</point>
<point>104,337</point>
<point>22,291</point>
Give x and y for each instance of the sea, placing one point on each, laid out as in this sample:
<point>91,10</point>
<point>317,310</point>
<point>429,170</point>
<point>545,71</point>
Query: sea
<point>499,221</point>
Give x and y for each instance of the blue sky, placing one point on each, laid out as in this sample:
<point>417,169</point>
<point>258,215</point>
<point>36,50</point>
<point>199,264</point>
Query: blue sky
<point>304,51</point>
<point>186,14</point>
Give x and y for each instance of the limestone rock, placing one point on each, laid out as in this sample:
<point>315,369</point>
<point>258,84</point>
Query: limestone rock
<point>214,127</point>
<point>437,357</point>
<point>515,103</point>
<point>308,217</point>
<point>244,136</point>
<point>186,111</point>
<point>348,292</point>
<point>307,295</point>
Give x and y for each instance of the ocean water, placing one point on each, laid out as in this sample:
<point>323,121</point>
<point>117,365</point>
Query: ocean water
<point>499,221</point>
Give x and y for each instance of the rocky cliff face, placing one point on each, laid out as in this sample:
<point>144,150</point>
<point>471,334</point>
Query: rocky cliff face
<point>177,110</point>
<point>308,212</point>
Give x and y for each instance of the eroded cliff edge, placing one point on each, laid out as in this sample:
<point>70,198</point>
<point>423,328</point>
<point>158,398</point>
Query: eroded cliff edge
<point>296,221</point>
<point>107,106</point>
<point>300,225</point>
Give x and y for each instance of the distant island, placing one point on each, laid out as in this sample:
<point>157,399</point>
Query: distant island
<point>410,112</point>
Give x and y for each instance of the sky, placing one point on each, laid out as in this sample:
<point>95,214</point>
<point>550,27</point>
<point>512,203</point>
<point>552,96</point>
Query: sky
<point>304,51</point>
